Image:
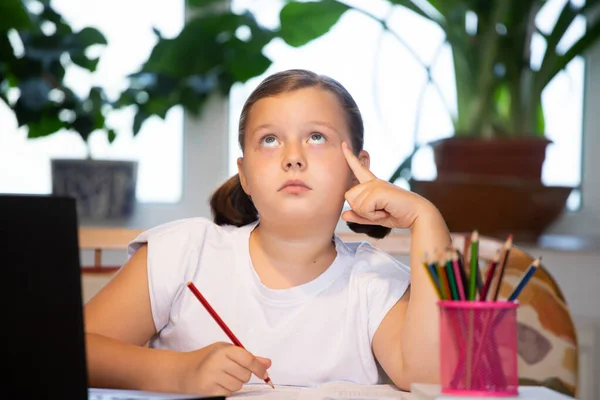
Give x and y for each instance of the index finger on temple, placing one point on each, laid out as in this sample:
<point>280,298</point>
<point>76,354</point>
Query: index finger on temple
<point>361,173</point>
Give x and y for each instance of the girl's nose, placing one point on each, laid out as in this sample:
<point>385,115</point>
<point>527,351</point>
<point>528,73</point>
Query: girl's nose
<point>294,158</point>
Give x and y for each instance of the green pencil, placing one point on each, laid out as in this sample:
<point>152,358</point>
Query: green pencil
<point>452,279</point>
<point>474,264</point>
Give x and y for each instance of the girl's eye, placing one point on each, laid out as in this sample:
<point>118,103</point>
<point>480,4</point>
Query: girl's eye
<point>317,138</point>
<point>269,141</point>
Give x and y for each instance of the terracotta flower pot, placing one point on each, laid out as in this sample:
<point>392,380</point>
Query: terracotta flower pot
<point>520,158</point>
<point>494,186</point>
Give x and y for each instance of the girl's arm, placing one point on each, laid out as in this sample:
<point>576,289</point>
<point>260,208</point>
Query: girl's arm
<point>118,323</point>
<point>406,344</point>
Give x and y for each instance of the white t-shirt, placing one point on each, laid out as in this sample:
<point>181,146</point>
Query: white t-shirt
<point>317,332</point>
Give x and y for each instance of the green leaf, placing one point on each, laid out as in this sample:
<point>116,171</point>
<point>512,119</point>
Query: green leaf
<point>138,121</point>
<point>589,38</point>
<point>84,125</point>
<point>84,62</point>
<point>158,106</point>
<point>14,15</point>
<point>540,121</point>
<point>47,125</point>
<point>202,3</point>
<point>430,12</point>
<point>196,44</point>
<point>244,63</point>
<point>565,19</point>
<point>89,37</point>
<point>111,135</point>
<point>304,22</point>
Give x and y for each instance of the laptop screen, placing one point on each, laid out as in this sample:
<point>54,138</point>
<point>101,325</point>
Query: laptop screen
<point>40,292</point>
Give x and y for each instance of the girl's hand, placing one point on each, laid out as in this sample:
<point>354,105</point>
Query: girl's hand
<point>219,369</point>
<point>378,202</point>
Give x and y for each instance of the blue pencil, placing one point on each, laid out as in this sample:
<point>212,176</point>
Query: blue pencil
<point>526,277</point>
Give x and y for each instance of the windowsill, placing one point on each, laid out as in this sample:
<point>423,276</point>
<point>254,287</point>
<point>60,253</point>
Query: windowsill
<point>552,242</point>
<point>566,243</point>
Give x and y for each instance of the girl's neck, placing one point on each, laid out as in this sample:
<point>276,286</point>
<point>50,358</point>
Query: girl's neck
<point>285,257</point>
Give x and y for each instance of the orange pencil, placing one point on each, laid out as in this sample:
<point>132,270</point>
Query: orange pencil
<point>220,322</point>
<point>444,281</point>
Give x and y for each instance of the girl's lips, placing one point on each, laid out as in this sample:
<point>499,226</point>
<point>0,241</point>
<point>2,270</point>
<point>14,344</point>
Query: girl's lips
<point>295,185</point>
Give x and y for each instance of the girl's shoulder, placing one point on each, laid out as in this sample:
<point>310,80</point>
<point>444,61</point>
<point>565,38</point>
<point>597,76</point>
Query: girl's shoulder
<point>183,233</point>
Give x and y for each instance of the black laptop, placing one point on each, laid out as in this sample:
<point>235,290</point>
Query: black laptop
<point>41,313</point>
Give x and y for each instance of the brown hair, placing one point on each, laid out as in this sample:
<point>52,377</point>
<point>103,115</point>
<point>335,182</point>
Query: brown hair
<point>230,205</point>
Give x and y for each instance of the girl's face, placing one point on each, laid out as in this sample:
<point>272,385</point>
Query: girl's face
<point>293,166</point>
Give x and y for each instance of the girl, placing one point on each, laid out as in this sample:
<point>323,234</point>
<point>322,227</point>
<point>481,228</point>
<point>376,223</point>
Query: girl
<point>308,307</point>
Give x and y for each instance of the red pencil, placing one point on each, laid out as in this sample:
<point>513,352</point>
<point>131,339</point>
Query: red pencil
<point>502,266</point>
<point>489,277</point>
<point>220,322</point>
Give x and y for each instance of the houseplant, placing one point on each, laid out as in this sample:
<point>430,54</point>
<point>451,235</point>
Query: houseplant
<point>498,90</point>
<point>494,159</point>
<point>499,123</point>
<point>36,47</point>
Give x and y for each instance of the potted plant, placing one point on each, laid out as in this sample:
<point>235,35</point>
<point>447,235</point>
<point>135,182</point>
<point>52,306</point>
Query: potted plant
<point>494,159</point>
<point>36,46</point>
<point>498,91</point>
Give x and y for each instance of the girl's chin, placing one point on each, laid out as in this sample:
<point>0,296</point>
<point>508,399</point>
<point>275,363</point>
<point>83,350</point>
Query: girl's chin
<point>302,213</point>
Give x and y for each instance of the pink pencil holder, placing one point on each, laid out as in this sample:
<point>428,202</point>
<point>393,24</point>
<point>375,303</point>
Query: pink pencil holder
<point>478,348</point>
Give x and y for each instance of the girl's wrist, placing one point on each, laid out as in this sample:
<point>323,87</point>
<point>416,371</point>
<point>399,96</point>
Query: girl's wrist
<point>427,214</point>
<point>168,371</point>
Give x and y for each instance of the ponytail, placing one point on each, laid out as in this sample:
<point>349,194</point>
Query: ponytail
<point>374,231</point>
<point>230,205</point>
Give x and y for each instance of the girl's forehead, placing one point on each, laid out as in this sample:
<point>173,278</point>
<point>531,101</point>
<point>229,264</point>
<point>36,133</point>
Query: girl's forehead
<point>301,105</point>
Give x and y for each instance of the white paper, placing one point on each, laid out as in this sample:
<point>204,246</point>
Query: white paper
<point>118,394</point>
<point>327,391</point>
<point>432,392</point>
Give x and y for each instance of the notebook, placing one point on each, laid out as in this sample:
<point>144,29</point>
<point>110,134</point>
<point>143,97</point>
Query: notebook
<point>42,315</point>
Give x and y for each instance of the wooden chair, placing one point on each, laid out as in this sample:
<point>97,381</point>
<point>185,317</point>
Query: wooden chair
<point>97,241</point>
<point>548,349</point>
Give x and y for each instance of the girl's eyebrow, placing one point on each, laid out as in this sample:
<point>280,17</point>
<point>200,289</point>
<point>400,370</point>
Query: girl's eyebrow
<point>263,126</point>
<point>321,123</point>
<point>325,124</point>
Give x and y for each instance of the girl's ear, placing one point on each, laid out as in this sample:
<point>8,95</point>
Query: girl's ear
<point>243,180</point>
<point>365,160</point>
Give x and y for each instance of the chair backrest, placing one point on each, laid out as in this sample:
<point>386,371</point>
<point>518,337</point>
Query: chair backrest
<point>548,351</point>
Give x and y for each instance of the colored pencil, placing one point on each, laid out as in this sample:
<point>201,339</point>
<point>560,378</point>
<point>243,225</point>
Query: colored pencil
<point>507,248</point>
<point>462,271</point>
<point>451,279</point>
<point>490,276</point>
<point>444,284</point>
<point>430,273</point>
<point>457,274</point>
<point>524,279</point>
<point>474,264</point>
<point>431,267</point>
<point>221,323</point>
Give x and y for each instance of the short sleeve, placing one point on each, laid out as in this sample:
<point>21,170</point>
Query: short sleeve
<point>387,282</point>
<point>173,251</point>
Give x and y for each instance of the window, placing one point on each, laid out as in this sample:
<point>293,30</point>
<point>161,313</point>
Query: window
<point>386,80</point>
<point>127,25</point>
